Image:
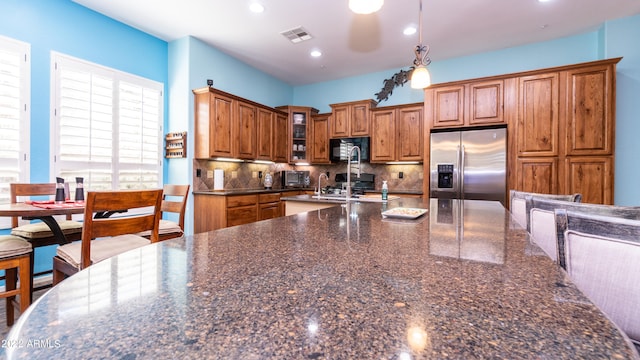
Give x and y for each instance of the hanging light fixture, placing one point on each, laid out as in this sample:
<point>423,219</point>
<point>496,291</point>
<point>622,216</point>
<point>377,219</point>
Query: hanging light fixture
<point>365,6</point>
<point>420,77</point>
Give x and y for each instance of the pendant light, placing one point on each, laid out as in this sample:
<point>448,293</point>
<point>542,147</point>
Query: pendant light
<point>420,77</point>
<point>365,6</point>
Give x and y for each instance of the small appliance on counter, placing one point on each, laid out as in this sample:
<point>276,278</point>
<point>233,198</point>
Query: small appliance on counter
<point>294,179</point>
<point>359,185</point>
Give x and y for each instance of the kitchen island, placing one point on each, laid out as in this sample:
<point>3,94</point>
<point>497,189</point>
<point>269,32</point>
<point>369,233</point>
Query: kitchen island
<point>462,281</point>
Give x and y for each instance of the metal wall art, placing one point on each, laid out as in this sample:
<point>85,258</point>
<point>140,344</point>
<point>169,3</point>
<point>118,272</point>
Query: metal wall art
<point>398,79</point>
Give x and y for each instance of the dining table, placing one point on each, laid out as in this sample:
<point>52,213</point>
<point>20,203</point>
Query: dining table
<point>402,279</point>
<point>44,211</point>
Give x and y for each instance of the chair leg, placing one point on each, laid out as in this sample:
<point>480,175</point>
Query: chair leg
<point>26,282</point>
<point>10,284</point>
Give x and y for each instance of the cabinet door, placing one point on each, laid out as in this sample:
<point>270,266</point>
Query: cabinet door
<point>340,121</point>
<point>383,135</point>
<point>360,123</point>
<point>486,102</point>
<point>320,139</point>
<point>269,211</point>
<point>410,143</point>
<point>448,106</point>
<point>537,126</point>
<point>592,177</point>
<point>265,134</point>
<point>590,113</point>
<point>221,130</point>
<point>539,175</point>
<point>246,131</point>
<point>280,138</point>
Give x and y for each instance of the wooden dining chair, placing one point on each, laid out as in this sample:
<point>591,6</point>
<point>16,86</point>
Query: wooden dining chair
<point>601,256</point>
<point>541,222</point>
<point>16,257</point>
<point>38,233</point>
<point>174,200</point>
<point>104,237</point>
<point>517,203</point>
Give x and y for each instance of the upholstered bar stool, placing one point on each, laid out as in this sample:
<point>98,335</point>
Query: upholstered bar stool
<point>601,257</point>
<point>517,203</point>
<point>15,259</point>
<point>541,223</point>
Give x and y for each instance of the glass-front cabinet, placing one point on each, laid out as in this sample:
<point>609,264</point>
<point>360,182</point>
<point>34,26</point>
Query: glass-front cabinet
<point>299,132</point>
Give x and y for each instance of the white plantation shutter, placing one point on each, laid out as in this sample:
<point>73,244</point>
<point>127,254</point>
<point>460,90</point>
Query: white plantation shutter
<point>108,126</point>
<point>14,116</point>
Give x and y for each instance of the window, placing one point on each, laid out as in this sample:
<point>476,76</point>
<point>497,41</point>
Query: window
<point>14,116</point>
<point>107,126</point>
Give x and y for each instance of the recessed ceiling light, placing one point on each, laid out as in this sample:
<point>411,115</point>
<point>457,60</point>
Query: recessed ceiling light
<point>316,53</point>
<point>409,30</point>
<point>256,7</point>
<point>544,0</point>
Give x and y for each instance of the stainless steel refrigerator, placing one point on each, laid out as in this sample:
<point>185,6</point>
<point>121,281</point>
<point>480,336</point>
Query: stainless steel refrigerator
<point>469,164</point>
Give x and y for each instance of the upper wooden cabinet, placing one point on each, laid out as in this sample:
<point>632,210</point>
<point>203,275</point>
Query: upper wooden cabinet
<point>397,133</point>
<point>351,119</point>
<point>265,129</point>
<point>214,130</point>
<point>279,140</point>
<point>560,123</point>
<point>589,113</point>
<point>319,153</point>
<point>457,105</point>
<point>299,139</point>
<point>538,117</point>
<point>247,128</point>
<point>383,135</point>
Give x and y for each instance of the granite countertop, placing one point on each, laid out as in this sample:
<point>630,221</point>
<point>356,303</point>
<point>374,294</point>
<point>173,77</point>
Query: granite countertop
<point>462,281</point>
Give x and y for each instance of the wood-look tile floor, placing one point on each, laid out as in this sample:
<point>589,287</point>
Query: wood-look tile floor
<point>4,329</point>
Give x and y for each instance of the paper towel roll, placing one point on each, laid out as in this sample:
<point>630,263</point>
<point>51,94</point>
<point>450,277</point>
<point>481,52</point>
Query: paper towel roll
<point>218,179</point>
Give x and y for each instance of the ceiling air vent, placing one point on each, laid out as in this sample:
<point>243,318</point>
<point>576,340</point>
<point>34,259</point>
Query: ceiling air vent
<point>297,35</point>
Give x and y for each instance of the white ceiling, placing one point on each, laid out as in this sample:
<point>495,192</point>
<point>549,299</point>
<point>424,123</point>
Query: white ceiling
<point>359,44</point>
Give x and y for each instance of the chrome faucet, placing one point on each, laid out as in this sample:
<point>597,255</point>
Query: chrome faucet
<point>349,169</point>
<point>319,179</point>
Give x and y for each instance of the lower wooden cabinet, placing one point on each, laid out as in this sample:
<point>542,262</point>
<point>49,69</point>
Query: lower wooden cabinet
<point>213,212</point>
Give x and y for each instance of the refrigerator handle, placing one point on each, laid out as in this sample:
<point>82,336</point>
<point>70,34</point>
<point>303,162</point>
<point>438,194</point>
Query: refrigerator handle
<point>461,169</point>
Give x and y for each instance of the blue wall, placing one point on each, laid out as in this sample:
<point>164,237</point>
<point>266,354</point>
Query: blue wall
<point>621,39</point>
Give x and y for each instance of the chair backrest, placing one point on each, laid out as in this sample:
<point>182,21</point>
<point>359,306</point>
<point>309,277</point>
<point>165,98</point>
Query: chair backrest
<point>172,204</point>
<point>23,189</point>
<point>541,223</point>
<point>517,203</point>
<point>116,201</point>
<point>601,257</point>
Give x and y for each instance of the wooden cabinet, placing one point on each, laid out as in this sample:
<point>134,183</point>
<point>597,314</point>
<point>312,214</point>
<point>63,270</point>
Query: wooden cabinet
<point>264,134</point>
<point>538,116</point>
<point>397,133</point>
<point>233,127</point>
<point>560,122</point>
<point>383,135</point>
<point>246,131</point>
<point>351,119</point>
<point>269,206</point>
<point>589,114</point>
<point>280,137</point>
<point>299,118</point>
<point>214,131</point>
<point>213,212</point>
<point>467,104</point>
<point>319,152</point>
<point>410,134</point>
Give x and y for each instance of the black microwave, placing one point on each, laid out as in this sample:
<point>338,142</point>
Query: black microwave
<point>339,149</point>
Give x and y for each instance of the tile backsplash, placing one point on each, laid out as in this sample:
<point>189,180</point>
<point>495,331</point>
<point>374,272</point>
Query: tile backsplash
<point>246,175</point>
